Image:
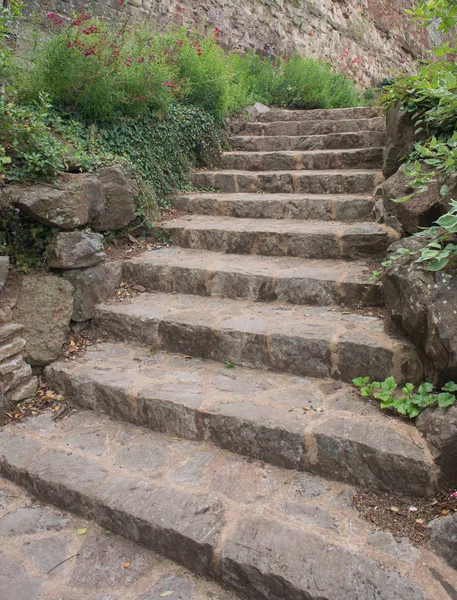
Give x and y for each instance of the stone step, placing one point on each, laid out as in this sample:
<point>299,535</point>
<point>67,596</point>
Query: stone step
<point>36,537</point>
<point>306,341</point>
<point>287,421</point>
<point>322,207</point>
<point>256,278</point>
<point>341,181</point>
<point>333,114</point>
<point>272,237</point>
<point>330,141</point>
<point>365,158</point>
<point>266,533</point>
<point>298,128</point>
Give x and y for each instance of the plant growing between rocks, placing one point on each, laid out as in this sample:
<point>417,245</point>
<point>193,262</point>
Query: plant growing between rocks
<point>408,401</point>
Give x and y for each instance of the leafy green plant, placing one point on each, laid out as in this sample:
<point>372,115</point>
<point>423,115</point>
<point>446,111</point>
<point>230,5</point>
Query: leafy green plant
<point>28,149</point>
<point>408,401</point>
<point>9,14</point>
<point>430,97</point>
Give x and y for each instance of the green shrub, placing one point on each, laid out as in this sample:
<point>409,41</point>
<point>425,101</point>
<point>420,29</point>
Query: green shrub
<point>101,71</point>
<point>161,150</point>
<point>430,97</point>
<point>308,83</point>
<point>28,149</point>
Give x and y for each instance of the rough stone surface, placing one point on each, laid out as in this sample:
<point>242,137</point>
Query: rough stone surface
<point>120,195</point>
<point>67,206</point>
<point>30,560</point>
<point>284,420</point>
<point>261,335</point>
<point>4,266</point>
<point>420,211</point>
<point>439,427</point>
<point>75,250</point>
<point>400,140</point>
<point>443,538</point>
<point>92,286</point>
<point>241,514</point>
<point>420,302</point>
<point>44,307</point>
<point>257,278</point>
<point>270,237</point>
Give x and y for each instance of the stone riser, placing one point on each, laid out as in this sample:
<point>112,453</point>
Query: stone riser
<point>257,336</point>
<point>245,545</point>
<point>368,158</point>
<point>298,128</point>
<point>355,242</point>
<point>298,182</point>
<point>251,284</point>
<point>335,114</point>
<point>330,445</point>
<point>262,206</point>
<point>335,141</point>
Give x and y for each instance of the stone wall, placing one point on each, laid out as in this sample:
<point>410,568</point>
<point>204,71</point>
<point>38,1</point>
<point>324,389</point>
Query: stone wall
<point>376,32</point>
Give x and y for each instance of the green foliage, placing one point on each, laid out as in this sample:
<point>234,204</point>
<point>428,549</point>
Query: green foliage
<point>407,401</point>
<point>23,239</point>
<point>306,83</point>
<point>28,149</point>
<point>430,97</point>
<point>160,150</point>
<point>9,14</point>
<point>102,71</point>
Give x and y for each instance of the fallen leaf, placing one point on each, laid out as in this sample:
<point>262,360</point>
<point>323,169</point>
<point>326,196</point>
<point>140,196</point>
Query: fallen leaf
<point>126,565</point>
<point>420,521</point>
<point>166,594</point>
<point>81,531</point>
<point>394,509</point>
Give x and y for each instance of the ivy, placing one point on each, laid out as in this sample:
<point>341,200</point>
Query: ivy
<point>407,401</point>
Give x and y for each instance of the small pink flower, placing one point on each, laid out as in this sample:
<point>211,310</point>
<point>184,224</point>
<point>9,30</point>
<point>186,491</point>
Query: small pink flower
<point>141,59</point>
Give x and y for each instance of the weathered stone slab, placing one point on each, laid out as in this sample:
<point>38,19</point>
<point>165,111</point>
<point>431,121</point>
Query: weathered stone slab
<point>44,307</point>
<point>269,417</point>
<point>75,250</point>
<point>271,560</point>
<point>92,286</point>
<point>443,538</point>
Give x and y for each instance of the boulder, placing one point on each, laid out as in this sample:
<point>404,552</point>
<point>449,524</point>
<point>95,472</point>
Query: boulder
<point>4,266</point>
<point>421,211</point>
<point>439,428</point>
<point>92,286</point>
<point>443,538</point>
<point>257,110</point>
<point>400,139</point>
<point>67,206</point>
<point>44,307</point>
<point>422,304</point>
<point>121,197</point>
<point>75,250</point>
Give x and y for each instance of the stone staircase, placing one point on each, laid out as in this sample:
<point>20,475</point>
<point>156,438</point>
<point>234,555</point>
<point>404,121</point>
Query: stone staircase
<point>232,439</point>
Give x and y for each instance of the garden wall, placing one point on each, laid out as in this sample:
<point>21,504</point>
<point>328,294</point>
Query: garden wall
<point>372,38</point>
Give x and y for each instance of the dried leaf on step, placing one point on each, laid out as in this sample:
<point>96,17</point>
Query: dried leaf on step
<point>81,531</point>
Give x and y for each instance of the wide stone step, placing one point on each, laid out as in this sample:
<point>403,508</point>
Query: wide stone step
<point>294,423</point>
<point>331,141</point>
<point>271,237</point>
<point>256,278</point>
<point>333,114</point>
<point>306,341</point>
<point>322,207</point>
<point>366,158</point>
<point>342,181</point>
<point>317,127</point>
<point>264,532</point>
